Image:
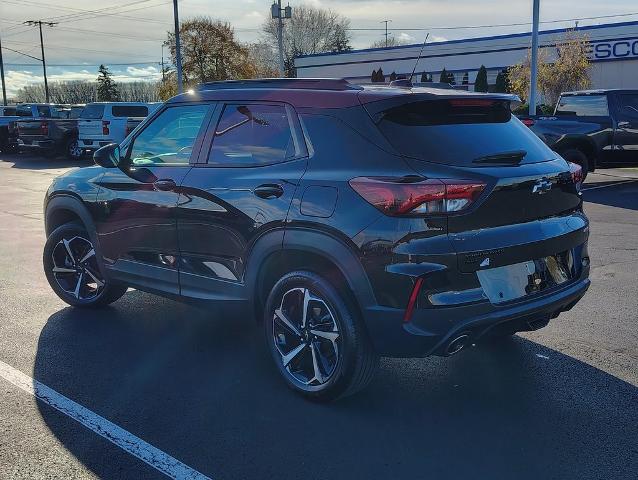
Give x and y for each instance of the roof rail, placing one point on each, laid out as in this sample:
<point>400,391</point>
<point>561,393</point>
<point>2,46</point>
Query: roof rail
<point>290,83</point>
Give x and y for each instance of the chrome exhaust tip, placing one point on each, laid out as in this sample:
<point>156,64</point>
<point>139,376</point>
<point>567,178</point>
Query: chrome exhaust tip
<point>457,344</point>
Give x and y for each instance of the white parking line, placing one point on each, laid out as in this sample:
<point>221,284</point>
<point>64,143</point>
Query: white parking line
<point>608,185</point>
<point>128,442</point>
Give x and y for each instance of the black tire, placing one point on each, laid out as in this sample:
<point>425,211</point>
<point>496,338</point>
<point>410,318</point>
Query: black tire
<point>73,237</point>
<point>577,156</point>
<point>72,149</point>
<point>355,361</point>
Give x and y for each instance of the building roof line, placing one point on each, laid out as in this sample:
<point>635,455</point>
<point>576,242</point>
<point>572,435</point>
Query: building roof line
<point>474,39</point>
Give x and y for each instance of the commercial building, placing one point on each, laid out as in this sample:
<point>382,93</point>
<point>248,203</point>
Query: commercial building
<point>614,55</point>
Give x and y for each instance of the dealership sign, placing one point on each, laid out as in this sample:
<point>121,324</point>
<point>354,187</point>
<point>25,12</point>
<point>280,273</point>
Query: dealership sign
<point>614,49</point>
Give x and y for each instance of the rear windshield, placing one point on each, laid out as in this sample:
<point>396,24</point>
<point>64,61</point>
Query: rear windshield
<point>92,111</point>
<point>130,110</point>
<point>582,106</point>
<point>8,111</point>
<point>459,132</point>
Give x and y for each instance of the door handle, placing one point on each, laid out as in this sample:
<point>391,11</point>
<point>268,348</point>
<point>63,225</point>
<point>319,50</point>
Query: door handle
<point>164,185</point>
<point>623,124</point>
<point>269,190</point>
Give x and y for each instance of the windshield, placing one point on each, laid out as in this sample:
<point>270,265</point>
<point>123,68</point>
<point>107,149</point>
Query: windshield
<point>93,111</point>
<point>459,132</point>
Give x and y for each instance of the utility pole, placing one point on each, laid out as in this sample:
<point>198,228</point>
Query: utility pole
<point>44,63</point>
<point>163,71</point>
<point>4,88</point>
<point>280,13</point>
<point>534,66</point>
<point>386,30</point>
<point>178,51</point>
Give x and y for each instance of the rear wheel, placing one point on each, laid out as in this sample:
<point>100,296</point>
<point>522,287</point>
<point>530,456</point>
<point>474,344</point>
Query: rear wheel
<point>70,265</point>
<point>577,156</point>
<point>73,150</point>
<point>316,339</point>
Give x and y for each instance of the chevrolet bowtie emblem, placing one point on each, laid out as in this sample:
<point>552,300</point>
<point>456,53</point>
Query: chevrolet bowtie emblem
<point>542,186</point>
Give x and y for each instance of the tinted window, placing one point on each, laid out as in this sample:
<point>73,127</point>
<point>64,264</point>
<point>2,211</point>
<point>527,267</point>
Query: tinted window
<point>129,110</point>
<point>628,104</point>
<point>583,106</point>
<point>169,138</point>
<point>24,111</point>
<point>44,111</point>
<point>93,111</point>
<point>8,111</point>
<point>458,132</point>
<point>76,112</point>
<point>252,135</point>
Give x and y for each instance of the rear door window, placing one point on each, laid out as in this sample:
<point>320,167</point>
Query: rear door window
<point>92,111</point>
<point>251,135</point>
<point>582,106</point>
<point>459,131</point>
<point>129,110</point>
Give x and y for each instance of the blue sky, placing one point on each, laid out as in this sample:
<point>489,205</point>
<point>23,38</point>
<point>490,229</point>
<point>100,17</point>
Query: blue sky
<point>130,41</point>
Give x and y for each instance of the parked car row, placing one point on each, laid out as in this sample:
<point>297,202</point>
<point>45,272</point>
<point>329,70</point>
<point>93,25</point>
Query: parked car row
<point>71,130</point>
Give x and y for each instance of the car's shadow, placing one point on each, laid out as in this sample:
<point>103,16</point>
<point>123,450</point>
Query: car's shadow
<point>200,386</point>
<point>620,192</point>
<point>29,161</point>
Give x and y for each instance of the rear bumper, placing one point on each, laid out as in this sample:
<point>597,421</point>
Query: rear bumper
<point>431,330</point>
<point>27,143</point>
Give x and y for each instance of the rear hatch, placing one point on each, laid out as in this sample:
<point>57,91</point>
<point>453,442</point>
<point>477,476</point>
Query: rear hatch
<point>90,122</point>
<point>528,207</point>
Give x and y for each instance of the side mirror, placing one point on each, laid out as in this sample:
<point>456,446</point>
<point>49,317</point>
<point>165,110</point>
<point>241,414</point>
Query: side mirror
<point>108,156</point>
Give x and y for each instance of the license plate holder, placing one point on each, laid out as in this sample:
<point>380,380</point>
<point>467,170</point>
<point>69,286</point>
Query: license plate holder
<point>511,282</point>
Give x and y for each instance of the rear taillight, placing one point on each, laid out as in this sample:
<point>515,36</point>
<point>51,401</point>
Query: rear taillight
<point>105,127</point>
<point>432,196</point>
<point>528,122</point>
<point>44,128</point>
<point>577,174</point>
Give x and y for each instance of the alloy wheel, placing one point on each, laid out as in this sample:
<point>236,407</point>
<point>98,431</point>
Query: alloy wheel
<point>74,150</point>
<point>306,335</point>
<point>75,268</point>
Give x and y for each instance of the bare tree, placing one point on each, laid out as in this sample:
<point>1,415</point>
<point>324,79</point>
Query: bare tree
<point>392,42</point>
<point>311,30</point>
<point>80,91</point>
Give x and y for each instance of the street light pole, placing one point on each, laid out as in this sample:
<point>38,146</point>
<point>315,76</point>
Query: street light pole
<point>178,51</point>
<point>534,66</point>
<point>4,88</point>
<point>280,40</point>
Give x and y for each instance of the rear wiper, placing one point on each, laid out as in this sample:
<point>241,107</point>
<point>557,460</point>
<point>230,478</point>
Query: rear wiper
<point>504,158</point>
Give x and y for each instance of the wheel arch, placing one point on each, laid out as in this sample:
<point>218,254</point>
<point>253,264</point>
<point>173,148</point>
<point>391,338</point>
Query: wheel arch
<point>63,209</point>
<point>276,254</point>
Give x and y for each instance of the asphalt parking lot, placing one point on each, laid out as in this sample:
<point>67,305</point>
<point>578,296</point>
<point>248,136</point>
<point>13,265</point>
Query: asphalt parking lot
<point>559,403</point>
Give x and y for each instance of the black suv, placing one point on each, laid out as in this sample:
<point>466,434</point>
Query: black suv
<point>356,222</point>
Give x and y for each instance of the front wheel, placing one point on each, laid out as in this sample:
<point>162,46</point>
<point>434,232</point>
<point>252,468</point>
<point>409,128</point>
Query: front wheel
<point>317,342</point>
<point>70,265</point>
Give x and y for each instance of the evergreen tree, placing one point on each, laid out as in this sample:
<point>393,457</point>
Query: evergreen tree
<point>380,76</point>
<point>426,77</point>
<point>375,76</point>
<point>393,76</point>
<point>106,87</point>
<point>502,82</point>
<point>447,77</point>
<point>480,84</point>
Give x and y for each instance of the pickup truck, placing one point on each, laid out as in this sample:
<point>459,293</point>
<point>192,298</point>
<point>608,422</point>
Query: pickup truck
<point>8,136</point>
<point>592,127</point>
<point>102,123</point>
<point>53,131</point>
